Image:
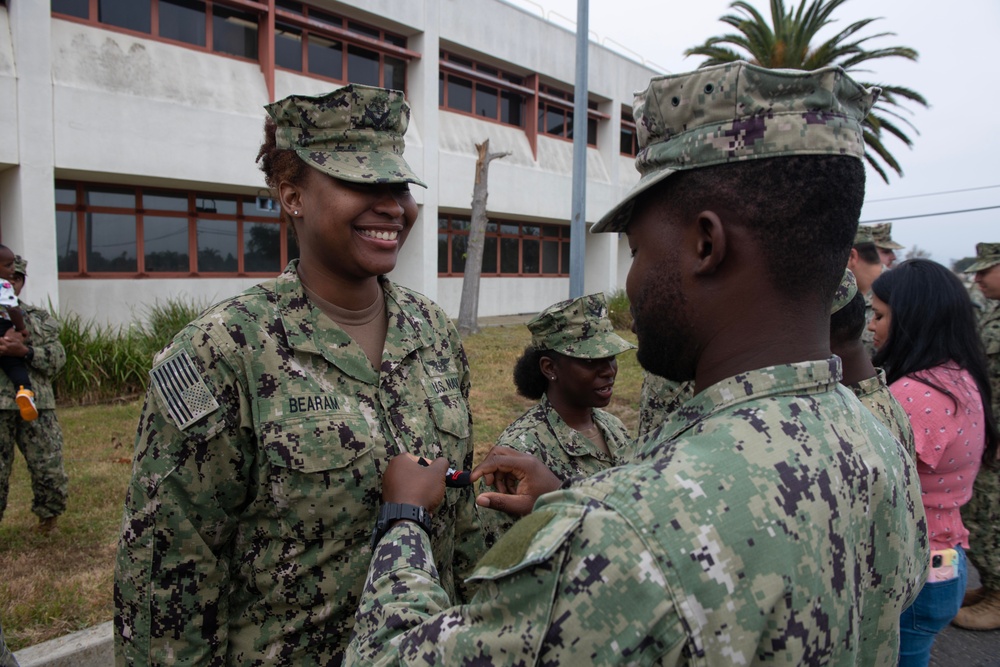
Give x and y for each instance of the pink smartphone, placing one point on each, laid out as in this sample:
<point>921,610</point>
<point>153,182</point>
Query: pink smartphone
<point>943,565</point>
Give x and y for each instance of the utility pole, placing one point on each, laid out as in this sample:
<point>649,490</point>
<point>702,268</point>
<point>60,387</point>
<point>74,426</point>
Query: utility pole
<point>578,226</point>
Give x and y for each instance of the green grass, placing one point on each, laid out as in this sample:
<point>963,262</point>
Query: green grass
<point>56,584</point>
<point>50,586</point>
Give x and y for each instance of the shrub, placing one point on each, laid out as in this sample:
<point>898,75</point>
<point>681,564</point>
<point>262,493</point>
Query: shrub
<point>619,310</point>
<point>106,362</point>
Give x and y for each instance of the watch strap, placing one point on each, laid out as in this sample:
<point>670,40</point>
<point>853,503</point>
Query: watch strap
<point>390,513</point>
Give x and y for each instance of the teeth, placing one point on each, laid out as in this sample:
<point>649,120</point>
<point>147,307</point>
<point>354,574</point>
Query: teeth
<point>382,236</point>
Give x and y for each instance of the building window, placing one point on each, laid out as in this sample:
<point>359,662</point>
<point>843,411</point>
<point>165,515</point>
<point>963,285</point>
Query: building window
<point>511,248</point>
<point>183,21</point>
<point>481,90</point>
<point>629,137</point>
<point>234,32</point>
<point>306,39</point>
<point>555,114</point>
<point>322,44</point>
<point>121,231</point>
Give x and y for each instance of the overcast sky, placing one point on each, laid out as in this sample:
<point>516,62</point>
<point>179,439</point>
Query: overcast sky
<point>958,143</point>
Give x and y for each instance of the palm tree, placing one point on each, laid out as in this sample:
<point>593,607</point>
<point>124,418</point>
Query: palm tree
<point>787,43</point>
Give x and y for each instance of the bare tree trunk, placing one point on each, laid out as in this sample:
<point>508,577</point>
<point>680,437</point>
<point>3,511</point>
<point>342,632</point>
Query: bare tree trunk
<point>468,309</point>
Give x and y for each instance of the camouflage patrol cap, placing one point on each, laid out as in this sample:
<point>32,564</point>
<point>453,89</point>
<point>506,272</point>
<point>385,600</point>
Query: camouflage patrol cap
<point>987,255</point>
<point>846,291</point>
<point>738,111</point>
<point>354,133</point>
<point>863,235</point>
<point>577,328</point>
<point>882,233</point>
<point>21,265</point>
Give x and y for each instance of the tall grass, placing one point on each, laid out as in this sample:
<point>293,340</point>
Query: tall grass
<point>105,362</point>
<point>619,310</point>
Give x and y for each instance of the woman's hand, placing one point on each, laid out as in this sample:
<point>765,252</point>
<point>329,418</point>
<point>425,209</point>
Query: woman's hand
<point>407,480</point>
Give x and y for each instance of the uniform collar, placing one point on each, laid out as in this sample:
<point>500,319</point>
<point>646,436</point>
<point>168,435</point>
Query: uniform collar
<point>806,377</point>
<point>869,385</point>
<point>309,330</point>
<point>571,440</point>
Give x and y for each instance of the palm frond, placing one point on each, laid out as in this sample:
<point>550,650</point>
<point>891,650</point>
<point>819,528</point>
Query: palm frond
<point>786,40</point>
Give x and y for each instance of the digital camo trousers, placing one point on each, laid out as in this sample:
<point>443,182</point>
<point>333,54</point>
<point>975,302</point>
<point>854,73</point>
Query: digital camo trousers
<point>982,517</point>
<point>41,444</point>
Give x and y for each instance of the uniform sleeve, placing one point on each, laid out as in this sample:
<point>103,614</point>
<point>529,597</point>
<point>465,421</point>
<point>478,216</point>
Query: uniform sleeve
<point>567,585</point>
<point>470,542</point>
<point>50,355</point>
<point>181,511</point>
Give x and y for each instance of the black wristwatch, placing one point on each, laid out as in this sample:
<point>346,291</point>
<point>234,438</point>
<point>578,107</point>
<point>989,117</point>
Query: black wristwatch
<point>30,354</point>
<point>390,513</point>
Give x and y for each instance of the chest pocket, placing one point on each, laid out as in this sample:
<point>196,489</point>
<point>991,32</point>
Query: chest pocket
<point>321,475</point>
<point>434,419</point>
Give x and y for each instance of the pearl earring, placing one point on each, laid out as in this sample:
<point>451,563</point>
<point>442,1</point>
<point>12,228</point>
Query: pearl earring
<point>295,212</point>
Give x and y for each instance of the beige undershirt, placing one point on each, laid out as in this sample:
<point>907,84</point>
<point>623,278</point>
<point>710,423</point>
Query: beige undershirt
<point>595,436</point>
<point>367,327</point>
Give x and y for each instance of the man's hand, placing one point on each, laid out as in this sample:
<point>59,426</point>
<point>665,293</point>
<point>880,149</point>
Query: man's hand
<point>13,345</point>
<point>519,479</point>
<point>406,480</point>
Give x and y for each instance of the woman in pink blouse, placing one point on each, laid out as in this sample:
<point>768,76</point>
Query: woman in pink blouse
<point>925,336</point>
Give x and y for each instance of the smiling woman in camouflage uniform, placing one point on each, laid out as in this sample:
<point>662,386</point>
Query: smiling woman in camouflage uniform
<point>570,365</point>
<point>270,418</point>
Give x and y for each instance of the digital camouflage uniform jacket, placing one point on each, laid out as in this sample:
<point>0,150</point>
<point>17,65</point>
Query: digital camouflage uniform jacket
<point>245,534</point>
<point>658,399</point>
<point>982,514</point>
<point>875,395</point>
<point>867,335</point>
<point>49,358</point>
<point>564,450</point>
<point>773,519</point>
<point>989,331</point>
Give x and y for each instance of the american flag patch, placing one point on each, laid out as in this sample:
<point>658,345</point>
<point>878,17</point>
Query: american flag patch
<point>182,390</point>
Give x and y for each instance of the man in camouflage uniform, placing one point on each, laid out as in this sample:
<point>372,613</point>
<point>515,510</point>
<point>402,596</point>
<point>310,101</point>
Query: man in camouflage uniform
<point>847,321</point>
<point>266,429</point>
<point>772,518</point>
<point>40,440</point>
<point>580,329</point>
<point>865,264</point>
<point>982,515</point>
<point>658,399</point>
<point>886,247</point>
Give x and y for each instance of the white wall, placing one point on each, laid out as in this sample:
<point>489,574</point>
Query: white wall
<point>119,302</point>
<point>8,93</point>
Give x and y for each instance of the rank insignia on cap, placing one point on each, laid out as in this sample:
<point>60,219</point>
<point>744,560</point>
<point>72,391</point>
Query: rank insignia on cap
<point>182,390</point>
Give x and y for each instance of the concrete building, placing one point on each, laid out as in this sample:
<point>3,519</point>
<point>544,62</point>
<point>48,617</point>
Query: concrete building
<point>129,131</point>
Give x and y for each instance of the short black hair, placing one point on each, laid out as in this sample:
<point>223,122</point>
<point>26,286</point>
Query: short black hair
<point>528,376</point>
<point>932,322</point>
<point>848,323</point>
<point>803,210</point>
<point>868,253</point>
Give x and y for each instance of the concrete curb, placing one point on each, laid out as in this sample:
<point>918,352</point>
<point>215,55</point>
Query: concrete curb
<point>93,647</point>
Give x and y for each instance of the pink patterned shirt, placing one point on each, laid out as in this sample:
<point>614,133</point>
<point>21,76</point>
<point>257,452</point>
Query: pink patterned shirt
<point>950,440</point>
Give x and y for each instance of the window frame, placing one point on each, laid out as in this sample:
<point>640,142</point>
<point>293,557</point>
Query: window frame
<point>628,125</point>
<point>193,213</point>
<point>493,77</point>
<point>388,44</point>
<point>495,230</point>
<point>550,97</point>
<point>385,45</point>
